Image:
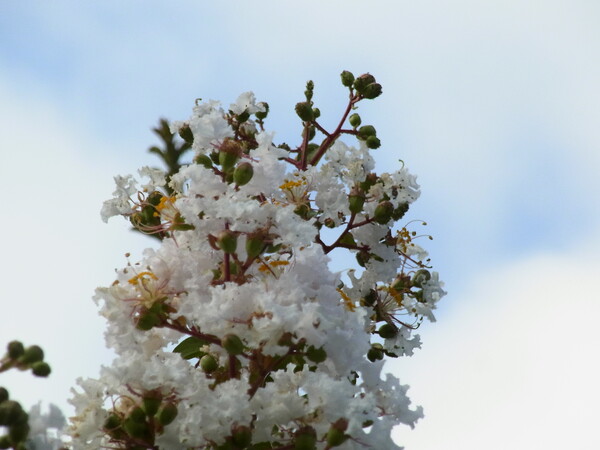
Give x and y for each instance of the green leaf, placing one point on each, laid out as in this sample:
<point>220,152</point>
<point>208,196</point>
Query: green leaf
<point>190,348</point>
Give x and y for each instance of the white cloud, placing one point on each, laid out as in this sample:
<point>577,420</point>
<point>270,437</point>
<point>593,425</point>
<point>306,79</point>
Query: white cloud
<point>515,364</point>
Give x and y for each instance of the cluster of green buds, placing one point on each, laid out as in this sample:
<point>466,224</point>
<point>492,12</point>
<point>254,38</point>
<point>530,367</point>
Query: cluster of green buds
<point>19,357</point>
<point>15,420</point>
<point>135,424</point>
<point>228,157</point>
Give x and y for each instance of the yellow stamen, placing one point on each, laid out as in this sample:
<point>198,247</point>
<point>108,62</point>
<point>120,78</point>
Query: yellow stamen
<point>140,276</point>
<point>347,300</point>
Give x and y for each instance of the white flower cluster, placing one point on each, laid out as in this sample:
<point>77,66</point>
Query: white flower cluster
<point>274,351</point>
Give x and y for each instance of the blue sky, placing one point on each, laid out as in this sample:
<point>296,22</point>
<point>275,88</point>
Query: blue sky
<point>494,105</point>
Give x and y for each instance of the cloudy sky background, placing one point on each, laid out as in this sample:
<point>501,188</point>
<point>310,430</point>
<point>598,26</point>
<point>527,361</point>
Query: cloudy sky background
<point>494,105</point>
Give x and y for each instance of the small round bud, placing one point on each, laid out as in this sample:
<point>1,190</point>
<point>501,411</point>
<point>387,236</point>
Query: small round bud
<point>227,241</point>
<point>336,435</point>
<point>365,131</point>
<point>305,439</point>
<point>347,78</point>
<point>363,81</point>
<point>261,115</point>
<point>137,430</point>
<point>317,355</point>
<point>420,277</point>
<point>41,369</point>
<point>373,142</point>
<point>15,349</point>
<point>356,201</point>
<point>355,120</point>
<point>151,402</point>
<point>372,91</point>
<point>10,412</point>
<point>147,320</point>
<point>186,134</point>
<point>243,173</point>
<point>375,354</point>
<point>229,153</point>
<point>208,363</point>
<point>305,111</point>
<point>232,344</point>
<point>32,354</point>
<point>137,414</point>
<point>383,212</point>
<point>241,436</point>
<point>167,414</point>
<point>204,160</point>
<point>387,331</point>
<point>112,422</point>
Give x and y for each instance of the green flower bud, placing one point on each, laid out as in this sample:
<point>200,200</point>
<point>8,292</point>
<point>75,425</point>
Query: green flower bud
<point>387,331</point>
<point>138,430</point>
<point>112,422</point>
<point>147,320</point>
<point>262,115</point>
<point>372,91</point>
<point>355,120</point>
<point>241,436</point>
<point>32,354</point>
<point>365,131</point>
<point>40,369</point>
<point>227,241</point>
<point>305,111</point>
<point>255,245</point>
<point>373,142</point>
<point>19,431</point>
<point>204,160</point>
<point>208,363</point>
<point>383,212</point>
<point>10,412</point>
<point>167,414</point>
<point>5,442</point>
<point>375,354</point>
<point>15,349</point>
<point>356,201</point>
<point>336,435</point>
<point>186,134</point>
<point>370,180</point>
<point>347,78</point>
<point>400,210</point>
<point>229,153</point>
<point>363,258</point>
<point>363,81</point>
<point>232,344</point>
<point>137,414</point>
<point>420,277</point>
<point>317,355</point>
<point>151,402</point>
<point>243,173</point>
<point>3,394</point>
<point>305,439</point>
<point>317,113</point>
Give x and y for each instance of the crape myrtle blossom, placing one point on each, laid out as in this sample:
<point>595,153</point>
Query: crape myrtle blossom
<point>234,333</point>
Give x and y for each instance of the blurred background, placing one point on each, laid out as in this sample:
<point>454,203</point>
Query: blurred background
<point>494,105</point>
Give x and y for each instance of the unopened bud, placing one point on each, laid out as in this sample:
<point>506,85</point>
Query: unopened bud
<point>243,173</point>
<point>305,439</point>
<point>305,111</point>
<point>254,245</point>
<point>32,354</point>
<point>167,414</point>
<point>372,91</point>
<point>336,435</point>
<point>229,153</point>
<point>363,81</point>
<point>261,115</point>
<point>204,160</point>
<point>151,402</point>
<point>356,201</point>
<point>186,134</point>
<point>383,212</point>
<point>373,142</point>
<point>347,78</point>
<point>232,344</point>
<point>208,363</point>
<point>355,120</point>
<point>387,331</point>
<point>15,349</point>
<point>40,369</point>
<point>365,131</point>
